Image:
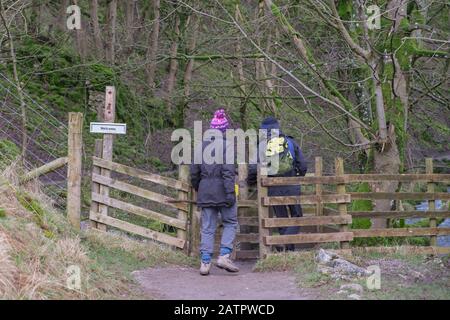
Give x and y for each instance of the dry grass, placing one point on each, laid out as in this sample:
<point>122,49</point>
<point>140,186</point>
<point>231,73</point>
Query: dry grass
<point>37,246</point>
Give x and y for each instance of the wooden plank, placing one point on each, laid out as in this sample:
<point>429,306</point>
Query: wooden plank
<point>399,195</point>
<point>74,168</point>
<point>342,207</point>
<point>431,203</point>
<point>183,175</point>
<point>138,191</point>
<point>247,254</point>
<point>288,181</point>
<point>194,227</point>
<point>318,189</point>
<point>306,221</point>
<point>248,221</point>
<point>144,232</point>
<point>399,232</point>
<point>404,177</point>
<point>309,238</point>
<point>263,213</point>
<point>247,237</point>
<point>349,178</point>
<point>141,174</point>
<point>330,211</point>
<point>142,212</point>
<point>247,203</point>
<point>404,249</point>
<point>400,214</point>
<point>46,168</point>
<point>107,114</point>
<point>95,187</point>
<point>310,199</point>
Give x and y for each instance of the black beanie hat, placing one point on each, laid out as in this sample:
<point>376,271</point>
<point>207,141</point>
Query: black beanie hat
<point>270,123</point>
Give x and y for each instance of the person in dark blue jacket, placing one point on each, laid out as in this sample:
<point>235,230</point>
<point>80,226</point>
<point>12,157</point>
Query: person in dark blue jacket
<point>299,168</point>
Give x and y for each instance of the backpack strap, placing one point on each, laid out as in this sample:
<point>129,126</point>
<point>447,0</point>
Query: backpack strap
<point>291,147</point>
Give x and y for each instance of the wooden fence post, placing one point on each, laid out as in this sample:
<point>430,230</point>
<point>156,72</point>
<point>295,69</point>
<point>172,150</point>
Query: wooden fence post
<point>95,187</point>
<point>74,171</point>
<point>319,205</point>
<point>241,211</point>
<point>263,212</point>
<point>342,207</point>
<point>194,227</point>
<point>431,203</point>
<point>183,175</point>
<point>108,115</point>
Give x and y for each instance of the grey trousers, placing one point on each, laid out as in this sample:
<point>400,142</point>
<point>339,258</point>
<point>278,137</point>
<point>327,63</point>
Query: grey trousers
<point>209,226</point>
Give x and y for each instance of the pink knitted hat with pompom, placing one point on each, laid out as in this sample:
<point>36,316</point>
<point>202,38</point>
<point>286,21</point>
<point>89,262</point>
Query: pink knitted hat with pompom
<point>219,121</point>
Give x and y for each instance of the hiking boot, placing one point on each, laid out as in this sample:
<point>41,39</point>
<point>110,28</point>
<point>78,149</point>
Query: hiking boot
<point>224,262</point>
<point>204,268</point>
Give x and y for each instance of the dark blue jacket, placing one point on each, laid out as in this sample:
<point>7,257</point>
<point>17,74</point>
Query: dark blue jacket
<point>213,181</point>
<point>299,167</point>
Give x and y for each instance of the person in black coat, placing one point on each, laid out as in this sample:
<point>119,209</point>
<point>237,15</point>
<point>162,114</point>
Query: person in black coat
<point>299,168</point>
<point>215,186</point>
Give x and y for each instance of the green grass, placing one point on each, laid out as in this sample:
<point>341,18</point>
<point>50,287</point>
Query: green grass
<point>122,255</point>
<point>393,286</point>
<point>394,289</point>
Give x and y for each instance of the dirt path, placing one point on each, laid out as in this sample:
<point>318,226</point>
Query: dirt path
<point>180,283</point>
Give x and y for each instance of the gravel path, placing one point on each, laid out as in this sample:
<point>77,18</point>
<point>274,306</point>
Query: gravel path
<point>180,283</point>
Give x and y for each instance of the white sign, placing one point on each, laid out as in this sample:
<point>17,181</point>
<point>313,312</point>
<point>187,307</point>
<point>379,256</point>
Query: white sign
<point>112,128</point>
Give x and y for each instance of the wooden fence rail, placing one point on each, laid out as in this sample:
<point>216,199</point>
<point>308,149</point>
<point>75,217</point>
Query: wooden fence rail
<point>341,218</point>
<point>177,221</point>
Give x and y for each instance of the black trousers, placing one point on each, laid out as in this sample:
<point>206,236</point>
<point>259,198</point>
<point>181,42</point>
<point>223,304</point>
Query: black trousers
<point>282,212</point>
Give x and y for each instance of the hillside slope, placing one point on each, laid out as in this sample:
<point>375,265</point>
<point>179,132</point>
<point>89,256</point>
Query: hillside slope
<point>39,252</point>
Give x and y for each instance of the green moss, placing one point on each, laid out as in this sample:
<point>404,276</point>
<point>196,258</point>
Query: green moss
<point>362,205</point>
<point>345,9</point>
<point>2,213</point>
<point>39,213</point>
<point>9,151</point>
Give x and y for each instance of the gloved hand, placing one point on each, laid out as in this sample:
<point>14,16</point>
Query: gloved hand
<point>251,180</point>
<point>230,199</point>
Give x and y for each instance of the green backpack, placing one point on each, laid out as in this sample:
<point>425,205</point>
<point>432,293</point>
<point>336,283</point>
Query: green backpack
<point>282,149</point>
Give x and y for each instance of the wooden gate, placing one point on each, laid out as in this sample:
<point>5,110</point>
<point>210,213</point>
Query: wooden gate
<point>155,208</point>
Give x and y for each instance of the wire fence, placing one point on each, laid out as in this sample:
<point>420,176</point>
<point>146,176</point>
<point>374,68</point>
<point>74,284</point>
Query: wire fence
<point>46,138</point>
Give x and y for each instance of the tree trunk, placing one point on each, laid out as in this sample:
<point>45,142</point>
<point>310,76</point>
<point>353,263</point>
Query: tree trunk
<point>240,71</point>
<point>80,37</point>
<point>18,85</point>
<point>173,66</point>
<point>129,25</point>
<point>96,28</point>
<point>62,21</point>
<point>190,50</point>
<point>153,45</point>
<point>387,161</point>
<point>111,18</point>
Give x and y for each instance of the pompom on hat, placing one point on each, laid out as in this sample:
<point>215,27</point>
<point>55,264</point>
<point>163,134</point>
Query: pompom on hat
<point>220,121</point>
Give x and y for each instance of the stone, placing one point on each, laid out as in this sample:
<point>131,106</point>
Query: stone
<point>352,287</point>
<point>325,257</point>
<point>346,267</point>
<point>354,296</point>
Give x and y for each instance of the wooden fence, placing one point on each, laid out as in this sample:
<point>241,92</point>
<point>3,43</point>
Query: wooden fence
<point>102,200</point>
<point>341,218</point>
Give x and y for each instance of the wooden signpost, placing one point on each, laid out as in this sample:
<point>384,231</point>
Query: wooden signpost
<point>104,147</point>
<point>74,168</point>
